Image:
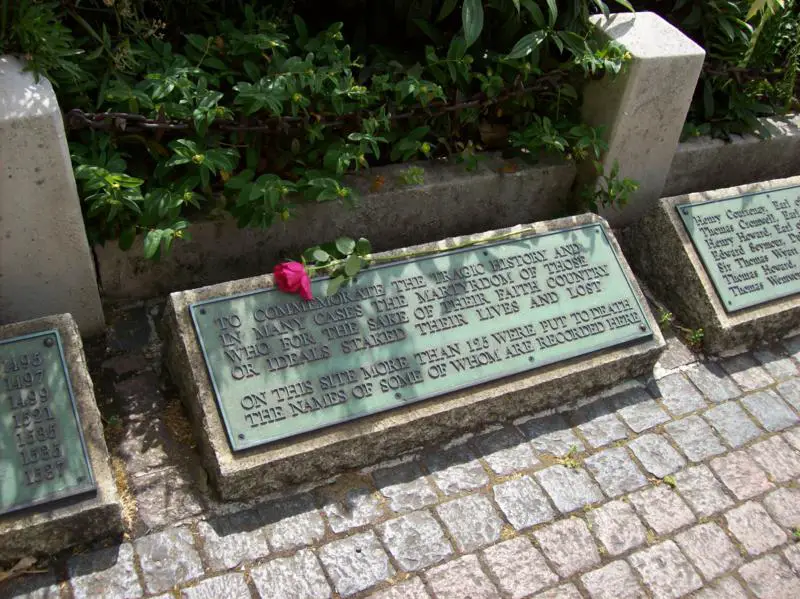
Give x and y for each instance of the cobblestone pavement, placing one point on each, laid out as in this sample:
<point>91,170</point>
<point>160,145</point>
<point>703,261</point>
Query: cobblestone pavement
<point>685,483</point>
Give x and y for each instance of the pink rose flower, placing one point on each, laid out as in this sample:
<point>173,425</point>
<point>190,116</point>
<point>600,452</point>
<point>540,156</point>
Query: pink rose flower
<point>291,277</point>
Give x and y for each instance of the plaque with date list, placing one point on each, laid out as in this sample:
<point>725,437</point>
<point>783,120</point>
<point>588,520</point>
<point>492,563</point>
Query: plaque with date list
<point>749,245</point>
<point>41,441</point>
<point>408,331</point>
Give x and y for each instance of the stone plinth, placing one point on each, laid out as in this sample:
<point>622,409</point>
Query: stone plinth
<point>52,527</point>
<point>662,253</point>
<point>324,452</point>
<point>46,266</point>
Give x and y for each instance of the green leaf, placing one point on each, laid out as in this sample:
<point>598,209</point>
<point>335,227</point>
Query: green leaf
<point>302,31</point>
<point>430,31</point>
<point>447,8</point>
<point>352,266</point>
<point>126,238</point>
<point>472,20</point>
<point>152,242</point>
<point>345,245</point>
<point>363,247</point>
<point>625,4</point>
<point>334,284</point>
<point>535,12</point>
<point>552,12</point>
<point>320,255</point>
<point>526,44</point>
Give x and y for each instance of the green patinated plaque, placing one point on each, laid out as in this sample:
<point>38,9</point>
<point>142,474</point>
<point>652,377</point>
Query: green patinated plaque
<point>749,245</point>
<point>408,331</point>
<point>42,451</point>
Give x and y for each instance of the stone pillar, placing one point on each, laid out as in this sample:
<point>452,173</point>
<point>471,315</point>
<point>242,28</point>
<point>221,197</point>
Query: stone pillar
<point>644,107</point>
<point>46,266</point>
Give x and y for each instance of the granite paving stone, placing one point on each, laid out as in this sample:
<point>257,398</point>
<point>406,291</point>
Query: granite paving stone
<point>523,503</point>
<point>297,577</point>
<point>777,458</point>
<point>713,382</point>
<point>565,591</point>
<point>792,437</point>
<point>551,435</point>
<point>168,559</point>
<point>732,423</point>
<point>461,578</point>
<point>779,367</point>
<point>754,529</point>
<point>506,451</point>
<point>770,410</point>
<point>709,549</point>
<point>702,491</point>
<point>229,541</point>
<point>518,567</point>
<point>784,506</point>
<point>662,509</point>
<point>724,588</point>
<point>790,392</point>
<point>355,563</point>
<point>617,527</point>
<point>229,586</point>
<point>656,455</point>
<point>665,571</point>
<point>407,589</point>
<point>747,372</point>
<point>108,572</point>
<point>793,345</point>
<point>472,522</point>
<point>741,475</point>
<point>568,545</point>
<point>675,355</point>
<point>677,394</point>
<point>456,470</point>
<point>613,581</point>
<point>569,488</point>
<point>615,471</point>
<point>598,423</point>
<point>695,438</point>
<point>38,586</point>
<point>292,522</point>
<point>405,487</point>
<point>358,507</point>
<point>639,411</point>
<point>792,555</point>
<point>415,540</point>
<point>770,578</point>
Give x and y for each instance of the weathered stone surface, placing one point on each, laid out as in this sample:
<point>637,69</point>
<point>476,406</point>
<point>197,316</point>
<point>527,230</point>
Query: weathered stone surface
<point>408,589</point>
<point>415,540</point>
<point>230,586</point>
<point>792,437</point>
<point>518,567</point>
<point>568,545</point>
<point>49,531</point>
<point>770,411</point>
<point>551,435</point>
<point>777,458</point>
<point>792,555</point>
<point>472,522</point>
<point>741,475</point>
<point>769,577</point>
<point>724,588</point>
<point>523,503</point>
<point>506,451</point>
<point>461,578</point>
<point>569,488</point>
<point>297,577</point>
<point>732,423</point>
<point>168,559</point>
<point>229,541</point>
<point>675,356</point>
<point>456,470</point>
<point>713,382</point>
<point>617,527</point>
<point>405,487</point>
<point>790,392</point>
<point>166,496</point>
<point>639,410</point>
<point>778,366</point>
<point>40,586</point>
<point>751,524</point>
<point>702,491</point>
<point>615,471</point>
<point>358,507</point>
<point>695,438</point>
<point>709,549</point>
<point>292,522</point>
<point>662,509</point>
<point>657,455</point>
<point>355,563</point>
<point>565,591</point>
<point>747,373</point>
<point>105,573</point>
<point>678,394</point>
<point>784,506</point>
<point>598,423</point>
<point>665,571</point>
<point>614,581</point>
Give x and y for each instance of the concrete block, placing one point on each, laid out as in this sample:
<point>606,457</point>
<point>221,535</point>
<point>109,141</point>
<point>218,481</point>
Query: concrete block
<point>644,107</point>
<point>56,526</point>
<point>356,443</point>
<point>662,253</point>
<point>451,201</point>
<point>46,266</point>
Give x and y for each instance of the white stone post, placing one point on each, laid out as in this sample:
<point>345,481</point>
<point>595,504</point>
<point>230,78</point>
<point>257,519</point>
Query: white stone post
<point>644,107</point>
<point>46,266</point>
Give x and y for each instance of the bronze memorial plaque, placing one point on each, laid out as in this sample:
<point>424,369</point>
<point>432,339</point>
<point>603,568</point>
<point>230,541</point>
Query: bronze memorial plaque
<point>43,452</point>
<point>749,245</point>
<point>412,330</point>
